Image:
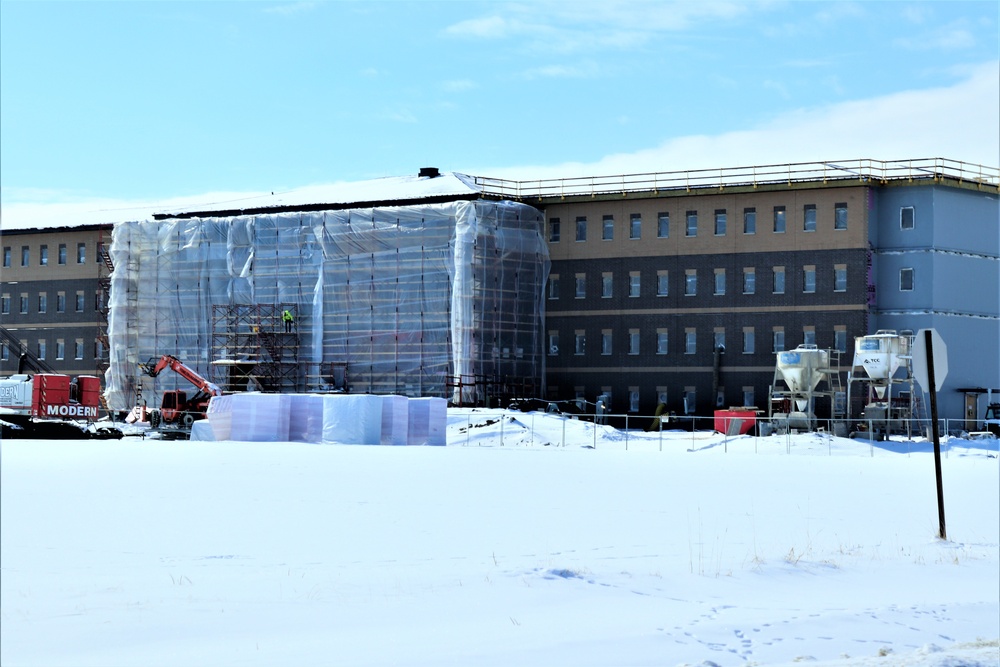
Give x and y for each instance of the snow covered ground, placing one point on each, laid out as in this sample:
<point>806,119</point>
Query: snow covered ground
<point>611,549</point>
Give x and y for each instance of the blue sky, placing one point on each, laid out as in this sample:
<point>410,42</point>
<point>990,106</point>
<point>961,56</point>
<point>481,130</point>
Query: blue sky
<point>148,101</point>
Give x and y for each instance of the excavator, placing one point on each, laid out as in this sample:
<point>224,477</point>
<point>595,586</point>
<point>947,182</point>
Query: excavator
<point>177,411</point>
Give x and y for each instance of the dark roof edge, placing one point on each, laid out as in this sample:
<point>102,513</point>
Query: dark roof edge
<point>96,226</point>
<point>304,208</point>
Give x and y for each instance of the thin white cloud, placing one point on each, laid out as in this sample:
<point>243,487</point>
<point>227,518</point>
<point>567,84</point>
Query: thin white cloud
<point>916,13</point>
<point>952,37</point>
<point>584,70</point>
<point>458,85</point>
<point>290,8</point>
<point>560,27</point>
<point>487,27</point>
<point>960,122</point>
<point>833,12</point>
<point>778,87</point>
<point>401,115</point>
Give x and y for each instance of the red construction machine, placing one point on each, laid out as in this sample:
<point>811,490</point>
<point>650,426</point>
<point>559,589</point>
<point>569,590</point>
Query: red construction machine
<point>177,411</point>
<point>52,406</point>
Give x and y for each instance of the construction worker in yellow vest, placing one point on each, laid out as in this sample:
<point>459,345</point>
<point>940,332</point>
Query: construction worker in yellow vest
<point>287,318</point>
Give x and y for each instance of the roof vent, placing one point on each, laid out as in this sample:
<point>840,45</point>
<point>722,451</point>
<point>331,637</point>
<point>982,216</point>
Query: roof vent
<point>429,172</point>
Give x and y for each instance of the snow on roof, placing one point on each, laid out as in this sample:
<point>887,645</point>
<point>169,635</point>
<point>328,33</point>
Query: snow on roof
<point>31,216</point>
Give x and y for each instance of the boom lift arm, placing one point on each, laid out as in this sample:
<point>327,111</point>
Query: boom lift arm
<point>153,368</point>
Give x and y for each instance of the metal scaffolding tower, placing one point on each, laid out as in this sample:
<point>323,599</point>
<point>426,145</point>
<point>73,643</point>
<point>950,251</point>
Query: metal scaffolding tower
<point>253,349</point>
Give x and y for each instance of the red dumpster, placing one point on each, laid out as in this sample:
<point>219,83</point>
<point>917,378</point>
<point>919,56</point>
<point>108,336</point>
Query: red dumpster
<point>735,421</point>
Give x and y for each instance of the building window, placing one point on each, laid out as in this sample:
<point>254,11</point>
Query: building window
<point>6,257</point>
<point>663,225</point>
<point>779,219</point>
<point>554,230</point>
<point>720,222</point>
<point>79,302</point>
<point>579,342</point>
<point>633,283</point>
<point>906,218</point>
<point>24,304</point>
<point>78,349</point>
<point>906,280</point>
<point>553,343</point>
<point>809,279</point>
<point>749,281</point>
<point>554,286</point>
<point>607,285</point>
<point>778,340</point>
<point>840,216</point>
<point>633,399</point>
<point>61,302</point>
<point>750,221</point>
<point>99,300</point>
<point>692,223</point>
<point>662,283</point>
<point>608,228</point>
<point>720,282</point>
<point>748,397</point>
<point>81,253</point>
<point>840,278</point>
<point>719,340</point>
<point>580,290</point>
<point>661,395</point>
<point>691,282</point>
<point>689,400</point>
<point>809,335</point>
<point>633,341</point>
<point>635,226</point>
<point>41,349</point>
<point>5,304</point>
<point>606,341</point>
<point>840,339</point>
<point>25,255</point>
<point>809,218</point>
<point>779,280</point>
<point>748,340</point>
<point>662,341</point>
<point>4,352</point>
<point>43,255</point>
<point>62,253</point>
<point>690,341</point>
<point>43,302</point>
<point>581,228</point>
<point>60,349</point>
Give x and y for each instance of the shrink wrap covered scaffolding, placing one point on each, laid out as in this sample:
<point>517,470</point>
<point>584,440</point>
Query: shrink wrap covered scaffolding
<point>409,300</point>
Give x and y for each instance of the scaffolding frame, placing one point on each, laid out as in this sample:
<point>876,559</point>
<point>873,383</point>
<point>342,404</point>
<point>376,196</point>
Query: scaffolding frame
<point>252,349</point>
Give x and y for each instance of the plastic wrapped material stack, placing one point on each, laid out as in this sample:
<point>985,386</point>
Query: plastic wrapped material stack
<point>390,300</point>
<point>305,418</point>
<point>220,416</point>
<point>395,420</point>
<point>428,421</point>
<point>202,430</point>
<point>350,419</point>
<point>248,417</point>
<point>346,419</point>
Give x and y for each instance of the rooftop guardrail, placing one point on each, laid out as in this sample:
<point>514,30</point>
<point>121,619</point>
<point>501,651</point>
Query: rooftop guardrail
<point>862,170</point>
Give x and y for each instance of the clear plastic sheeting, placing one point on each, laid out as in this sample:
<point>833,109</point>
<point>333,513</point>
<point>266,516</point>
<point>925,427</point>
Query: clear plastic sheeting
<point>400,300</point>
